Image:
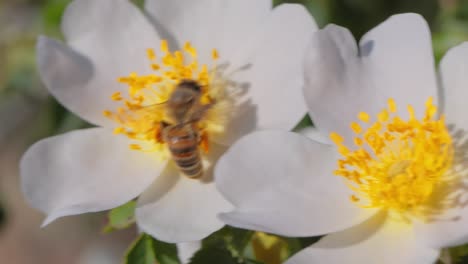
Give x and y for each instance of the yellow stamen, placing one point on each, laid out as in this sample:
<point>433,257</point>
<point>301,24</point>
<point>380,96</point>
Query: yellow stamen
<point>411,112</point>
<point>151,54</point>
<point>397,164</point>
<point>190,49</point>
<point>356,127</point>
<point>215,54</point>
<point>135,147</point>
<point>354,198</point>
<point>358,141</point>
<point>164,46</point>
<point>155,67</point>
<point>383,116</point>
<point>117,96</point>
<point>119,130</point>
<point>107,113</point>
<point>364,117</point>
<point>336,138</point>
<point>391,105</point>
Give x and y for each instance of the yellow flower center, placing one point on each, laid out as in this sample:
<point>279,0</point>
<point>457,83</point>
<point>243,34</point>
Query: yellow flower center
<point>398,164</point>
<point>144,107</point>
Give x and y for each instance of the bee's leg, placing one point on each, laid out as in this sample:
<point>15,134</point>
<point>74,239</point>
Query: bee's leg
<point>160,132</point>
<point>203,141</point>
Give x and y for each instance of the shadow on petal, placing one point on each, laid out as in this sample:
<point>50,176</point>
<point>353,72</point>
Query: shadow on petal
<point>356,234</point>
<point>161,186</point>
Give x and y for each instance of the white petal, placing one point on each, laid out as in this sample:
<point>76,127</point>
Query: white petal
<point>394,61</point>
<point>186,212</point>
<point>273,74</point>
<point>178,209</point>
<point>209,24</point>
<point>112,37</point>
<point>378,240</point>
<point>186,250</point>
<point>314,134</point>
<point>448,231</point>
<point>84,171</point>
<point>67,75</point>
<point>283,183</point>
<point>454,78</point>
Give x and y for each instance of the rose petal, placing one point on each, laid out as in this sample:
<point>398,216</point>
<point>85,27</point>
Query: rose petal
<point>394,61</point>
<point>108,39</point>
<point>314,134</point>
<point>377,240</point>
<point>272,75</point>
<point>209,24</point>
<point>448,230</point>
<point>283,183</point>
<point>178,209</point>
<point>84,171</point>
<point>65,72</point>
<point>454,79</point>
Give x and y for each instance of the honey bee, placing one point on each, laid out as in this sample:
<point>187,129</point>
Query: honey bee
<point>181,133</point>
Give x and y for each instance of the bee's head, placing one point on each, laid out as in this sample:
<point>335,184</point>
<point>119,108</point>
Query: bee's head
<point>185,93</point>
<point>190,84</point>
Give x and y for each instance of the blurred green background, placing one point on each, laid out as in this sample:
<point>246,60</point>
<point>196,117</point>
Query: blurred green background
<point>28,113</point>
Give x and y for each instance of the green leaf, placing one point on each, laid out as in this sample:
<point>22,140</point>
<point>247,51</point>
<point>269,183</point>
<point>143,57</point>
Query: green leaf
<point>318,8</point>
<point>459,253</point>
<point>229,243</point>
<point>305,122</point>
<point>52,12</point>
<point>217,239</point>
<point>213,255</point>
<point>294,245</point>
<point>359,16</point>
<point>71,122</point>
<point>308,241</point>
<point>121,217</point>
<point>141,251</point>
<point>165,253</point>
<point>147,250</point>
<point>139,3</point>
<point>234,239</point>
<point>239,239</point>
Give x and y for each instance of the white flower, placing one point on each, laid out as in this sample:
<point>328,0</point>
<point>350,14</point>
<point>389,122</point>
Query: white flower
<point>393,187</point>
<point>259,49</point>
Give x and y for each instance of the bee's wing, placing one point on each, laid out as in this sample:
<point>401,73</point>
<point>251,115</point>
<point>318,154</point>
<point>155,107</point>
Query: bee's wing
<point>143,115</point>
<point>198,112</point>
<point>216,114</point>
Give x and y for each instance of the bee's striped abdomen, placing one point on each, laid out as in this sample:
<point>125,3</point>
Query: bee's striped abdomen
<point>185,153</point>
